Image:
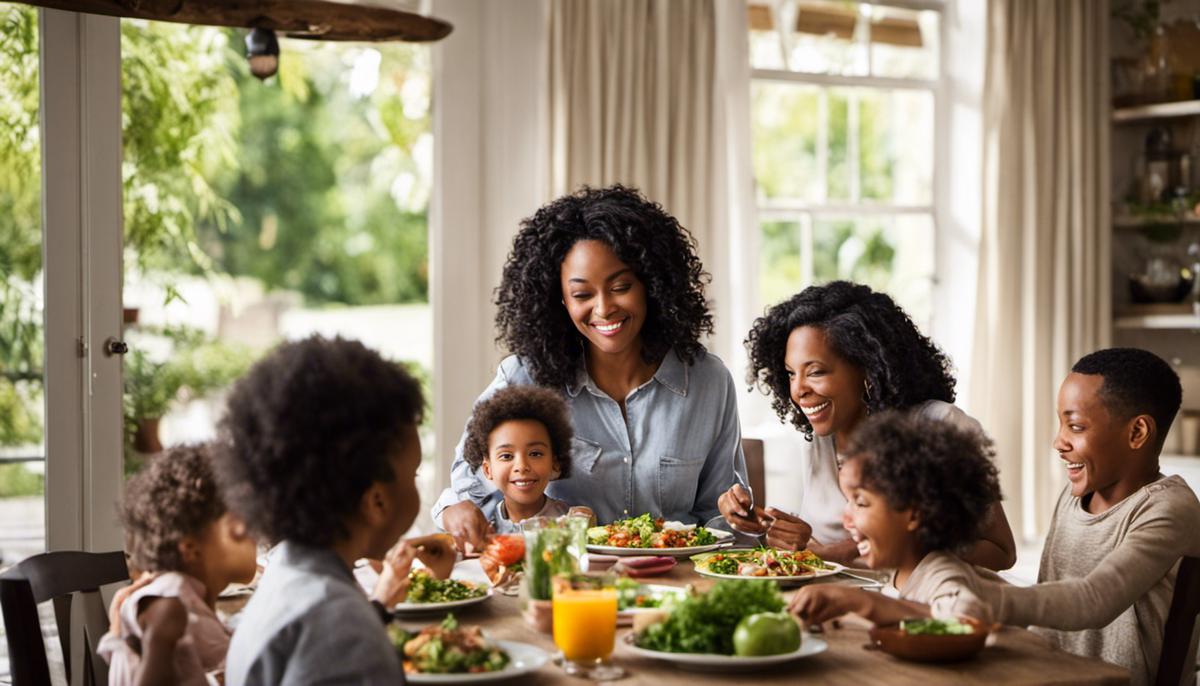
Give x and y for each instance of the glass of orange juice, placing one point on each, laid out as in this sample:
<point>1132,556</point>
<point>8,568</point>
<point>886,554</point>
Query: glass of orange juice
<point>585,624</point>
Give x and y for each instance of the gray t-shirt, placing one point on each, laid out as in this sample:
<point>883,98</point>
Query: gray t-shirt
<point>1106,580</point>
<point>310,623</point>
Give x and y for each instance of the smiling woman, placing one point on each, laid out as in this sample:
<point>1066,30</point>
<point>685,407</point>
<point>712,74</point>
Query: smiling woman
<point>828,357</point>
<point>602,300</point>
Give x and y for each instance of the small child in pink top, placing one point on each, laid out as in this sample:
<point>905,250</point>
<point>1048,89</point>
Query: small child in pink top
<point>180,534</point>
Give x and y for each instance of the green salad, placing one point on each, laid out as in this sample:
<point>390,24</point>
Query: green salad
<point>447,648</point>
<point>423,588</point>
<point>705,623</point>
<point>645,531</point>
<point>935,627</point>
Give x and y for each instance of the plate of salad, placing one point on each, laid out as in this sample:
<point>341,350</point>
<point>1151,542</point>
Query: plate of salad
<point>764,563</point>
<point>428,594</point>
<point>451,653</point>
<point>737,625</point>
<point>642,534</point>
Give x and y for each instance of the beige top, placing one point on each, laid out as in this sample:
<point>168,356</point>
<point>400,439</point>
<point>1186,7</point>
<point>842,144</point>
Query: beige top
<point>949,586</point>
<point>202,648</point>
<point>1106,580</point>
<point>821,501</point>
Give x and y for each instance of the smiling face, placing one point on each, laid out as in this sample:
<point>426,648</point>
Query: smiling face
<point>520,462</point>
<point>604,297</point>
<point>1097,448</point>
<point>886,537</point>
<point>826,387</point>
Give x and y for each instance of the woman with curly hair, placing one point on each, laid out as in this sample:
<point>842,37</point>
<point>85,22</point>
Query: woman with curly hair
<point>828,357</point>
<point>602,300</point>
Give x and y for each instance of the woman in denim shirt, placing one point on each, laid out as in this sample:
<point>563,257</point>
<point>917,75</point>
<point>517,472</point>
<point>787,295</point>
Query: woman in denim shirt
<point>602,298</point>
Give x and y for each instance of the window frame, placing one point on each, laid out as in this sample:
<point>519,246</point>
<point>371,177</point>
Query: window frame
<point>804,214</point>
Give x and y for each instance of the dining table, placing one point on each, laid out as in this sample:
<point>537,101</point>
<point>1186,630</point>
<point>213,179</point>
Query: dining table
<point>1012,655</point>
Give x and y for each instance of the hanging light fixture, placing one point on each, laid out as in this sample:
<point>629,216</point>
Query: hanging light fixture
<point>348,20</point>
<point>262,51</point>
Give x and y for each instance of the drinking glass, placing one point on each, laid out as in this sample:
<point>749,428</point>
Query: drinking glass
<point>585,624</point>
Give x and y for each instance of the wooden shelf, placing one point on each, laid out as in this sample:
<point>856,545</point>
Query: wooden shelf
<point>1163,110</point>
<point>1126,221</point>
<point>1158,321</point>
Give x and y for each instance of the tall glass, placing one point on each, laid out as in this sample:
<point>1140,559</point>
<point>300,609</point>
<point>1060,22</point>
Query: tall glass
<point>585,624</point>
<point>553,545</point>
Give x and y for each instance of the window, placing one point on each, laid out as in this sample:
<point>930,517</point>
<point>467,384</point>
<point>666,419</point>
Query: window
<point>261,211</point>
<point>843,103</point>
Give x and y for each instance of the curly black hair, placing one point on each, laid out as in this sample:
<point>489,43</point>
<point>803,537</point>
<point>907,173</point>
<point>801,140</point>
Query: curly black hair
<point>1136,381</point>
<point>902,366</point>
<point>173,496</point>
<point>521,402</point>
<point>531,320</point>
<point>944,473</point>
<point>310,427</point>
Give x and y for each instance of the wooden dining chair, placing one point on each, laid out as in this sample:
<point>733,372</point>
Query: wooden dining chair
<point>752,448</point>
<point>1178,658</point>
<point>72,580</point>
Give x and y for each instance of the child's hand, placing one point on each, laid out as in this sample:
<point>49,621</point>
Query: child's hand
<point>583,511</point>
<point>786,531</point>
<point>392,586</point>
<point>119,598</point>
<point>737,507</point>
<point>819,604</point>
<point>437,553</point>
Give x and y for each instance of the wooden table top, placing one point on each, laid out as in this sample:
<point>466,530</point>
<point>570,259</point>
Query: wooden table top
<point>1013,655</point>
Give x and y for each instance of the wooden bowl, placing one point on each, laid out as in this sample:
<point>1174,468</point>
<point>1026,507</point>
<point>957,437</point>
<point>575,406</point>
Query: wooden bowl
<point>926,648</point>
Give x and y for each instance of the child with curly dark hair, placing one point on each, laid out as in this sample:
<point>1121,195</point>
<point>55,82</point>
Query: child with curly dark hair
<point>895,481</point>
<point>179,532</point>
<point>828,357</point>
<point>1111,558</point>
<point>602,301</point>
<point>322,461</point>
<point>521,439</point>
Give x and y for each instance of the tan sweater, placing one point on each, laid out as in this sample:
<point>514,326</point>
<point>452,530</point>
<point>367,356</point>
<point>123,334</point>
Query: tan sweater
<point>949,586</point>
<point>1106,580</point>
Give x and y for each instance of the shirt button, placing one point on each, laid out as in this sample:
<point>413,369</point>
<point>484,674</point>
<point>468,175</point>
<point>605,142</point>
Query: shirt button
<point>626,511</point>
<point>626,460</point>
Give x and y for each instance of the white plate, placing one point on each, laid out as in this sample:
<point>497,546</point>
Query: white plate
<point>810,645</point>
<point>723,538</point>
<point>523,659</point>
<point>819,574</point>
<point>407,608</point>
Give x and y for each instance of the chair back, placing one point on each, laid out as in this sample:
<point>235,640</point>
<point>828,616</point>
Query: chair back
<point>752,448</point>
<point>72,580</point>
<point>1179,637</point>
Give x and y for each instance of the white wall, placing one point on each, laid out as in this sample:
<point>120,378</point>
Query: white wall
<point>488,175</point>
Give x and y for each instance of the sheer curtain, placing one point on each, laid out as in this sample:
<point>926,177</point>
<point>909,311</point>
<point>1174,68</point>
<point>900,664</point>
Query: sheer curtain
<point>655,94</point>
<point>1044,283</point>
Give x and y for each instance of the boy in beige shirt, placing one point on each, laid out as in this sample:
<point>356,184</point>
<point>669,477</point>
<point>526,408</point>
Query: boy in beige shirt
<point>1119,529</point>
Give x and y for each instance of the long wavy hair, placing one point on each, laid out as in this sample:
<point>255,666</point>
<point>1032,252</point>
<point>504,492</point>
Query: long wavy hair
<point>531,320</point>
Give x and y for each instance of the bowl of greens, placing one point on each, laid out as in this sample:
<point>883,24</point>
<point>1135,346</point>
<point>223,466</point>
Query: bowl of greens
<point>926,639</point>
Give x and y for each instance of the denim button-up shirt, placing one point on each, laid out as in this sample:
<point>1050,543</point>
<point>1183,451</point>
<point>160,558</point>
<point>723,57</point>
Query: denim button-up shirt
<point>679,449</point>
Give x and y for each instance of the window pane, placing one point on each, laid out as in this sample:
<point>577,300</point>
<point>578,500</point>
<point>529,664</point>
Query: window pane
<point>780,271</point>
<point>260,211</point>
<point>842,145</point>
<point>844,38</point>
<point>904,43</point>
<point>896,146</point>
<point>786,129</point>
<point>22,413</point>
<point>893,254</point>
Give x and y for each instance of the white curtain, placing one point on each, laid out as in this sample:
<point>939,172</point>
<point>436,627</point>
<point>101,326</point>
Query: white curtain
<point>655,94</point>
<point>1044,283</point>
